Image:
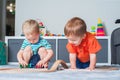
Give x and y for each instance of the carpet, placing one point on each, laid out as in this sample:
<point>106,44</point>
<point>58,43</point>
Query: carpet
<point>34,70</point>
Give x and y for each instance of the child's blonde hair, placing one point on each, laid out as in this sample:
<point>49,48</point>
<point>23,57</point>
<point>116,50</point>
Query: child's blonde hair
<point>75,26</point>
<point>30,26</point>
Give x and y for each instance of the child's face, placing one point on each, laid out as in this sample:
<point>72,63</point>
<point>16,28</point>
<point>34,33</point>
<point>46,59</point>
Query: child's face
<point>74,40</point>
<point>32,38</point>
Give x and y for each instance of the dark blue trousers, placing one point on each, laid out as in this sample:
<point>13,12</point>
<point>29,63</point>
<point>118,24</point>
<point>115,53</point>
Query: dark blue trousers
<point>34,60</point>
<point>82,65</point>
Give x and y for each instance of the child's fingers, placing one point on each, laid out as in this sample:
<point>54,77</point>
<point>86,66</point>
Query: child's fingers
<point>90,68</point>
<point>23,63</point>
<point>39,64</point>
<point>45,65</point>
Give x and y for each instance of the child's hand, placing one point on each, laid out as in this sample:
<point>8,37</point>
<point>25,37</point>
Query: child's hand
<point>40,64</point>
<point>23,63</point>
<point>73,67</point>
<point>91,68</point>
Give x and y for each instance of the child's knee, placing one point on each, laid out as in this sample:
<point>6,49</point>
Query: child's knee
<point>27,50</point>
<point>42,51</point>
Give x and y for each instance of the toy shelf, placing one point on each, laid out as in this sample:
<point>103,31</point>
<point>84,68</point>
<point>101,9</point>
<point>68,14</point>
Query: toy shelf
<point>59,47</point>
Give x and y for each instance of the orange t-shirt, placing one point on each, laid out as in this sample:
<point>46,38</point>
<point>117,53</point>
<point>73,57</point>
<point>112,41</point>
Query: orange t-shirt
<point>88,46</point>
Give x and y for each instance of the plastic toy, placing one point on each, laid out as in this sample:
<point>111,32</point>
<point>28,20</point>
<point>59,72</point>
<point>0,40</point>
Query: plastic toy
<point>100,30</point>
<point>42,28</point>
<point>28,66</point>
<point>93,30</point>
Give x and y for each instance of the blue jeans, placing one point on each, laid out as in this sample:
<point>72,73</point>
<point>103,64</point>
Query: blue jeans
<point>34,60</point>
<point>82,65</point>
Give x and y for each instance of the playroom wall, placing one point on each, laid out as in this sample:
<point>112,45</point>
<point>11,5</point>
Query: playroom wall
<point>55,13</point>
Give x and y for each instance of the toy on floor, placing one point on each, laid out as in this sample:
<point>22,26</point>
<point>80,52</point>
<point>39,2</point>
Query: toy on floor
<point>54,67</point>
<point>29,66</point>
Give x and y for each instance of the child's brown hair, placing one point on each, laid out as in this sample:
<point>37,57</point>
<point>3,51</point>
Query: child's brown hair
<point>75,26</point>
<point>30,26</point>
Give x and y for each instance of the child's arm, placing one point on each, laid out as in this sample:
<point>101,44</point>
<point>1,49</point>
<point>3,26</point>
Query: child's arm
<point>72,60</point>
<point>49,55</point>
<point>92,61</point>
<point>20,58</point>
<point>46,58</point>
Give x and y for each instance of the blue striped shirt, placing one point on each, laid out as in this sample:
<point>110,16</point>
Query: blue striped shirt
<point>41,43</point>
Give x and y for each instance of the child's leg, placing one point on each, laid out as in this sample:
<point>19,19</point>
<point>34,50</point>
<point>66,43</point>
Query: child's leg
<point>86,65</point>
<point>27,54</point>
<point>78,63</point>
<point>43,53</point>
<point>34,60</point>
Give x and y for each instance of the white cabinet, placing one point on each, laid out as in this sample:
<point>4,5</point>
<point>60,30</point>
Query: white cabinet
<point>59,48</point>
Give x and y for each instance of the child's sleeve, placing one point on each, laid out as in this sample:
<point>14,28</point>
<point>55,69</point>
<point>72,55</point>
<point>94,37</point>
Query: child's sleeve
<point>70,48</point>
<point>94,46</point>
<point>24,44</point>
<point>46,44</point>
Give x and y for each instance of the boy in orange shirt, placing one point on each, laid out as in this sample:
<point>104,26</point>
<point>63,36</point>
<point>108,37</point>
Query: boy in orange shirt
<point>82,45</point>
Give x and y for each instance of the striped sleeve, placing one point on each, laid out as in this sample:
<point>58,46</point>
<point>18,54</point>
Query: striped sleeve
<point>24,44</point>
<point>46,44</point>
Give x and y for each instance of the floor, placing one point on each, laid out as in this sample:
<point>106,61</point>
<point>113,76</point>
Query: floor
<point>62,75</point>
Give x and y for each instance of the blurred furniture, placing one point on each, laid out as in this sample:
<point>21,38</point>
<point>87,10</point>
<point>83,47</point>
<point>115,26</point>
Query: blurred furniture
<point>115,46</point>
